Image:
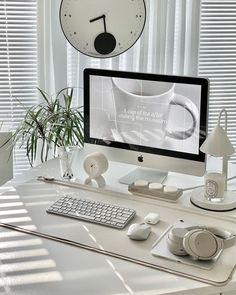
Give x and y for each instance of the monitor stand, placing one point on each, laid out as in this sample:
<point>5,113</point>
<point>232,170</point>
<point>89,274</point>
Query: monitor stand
<point>151,175</point>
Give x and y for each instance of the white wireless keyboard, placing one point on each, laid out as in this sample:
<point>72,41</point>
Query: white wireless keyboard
<point>92,211</point>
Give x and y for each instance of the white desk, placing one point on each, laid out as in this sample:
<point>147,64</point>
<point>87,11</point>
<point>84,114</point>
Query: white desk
<point>46,267</point>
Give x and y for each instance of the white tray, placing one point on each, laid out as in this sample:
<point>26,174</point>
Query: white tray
<point>160,249</point>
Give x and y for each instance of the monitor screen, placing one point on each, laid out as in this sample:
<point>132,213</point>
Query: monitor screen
<point>156,114</point>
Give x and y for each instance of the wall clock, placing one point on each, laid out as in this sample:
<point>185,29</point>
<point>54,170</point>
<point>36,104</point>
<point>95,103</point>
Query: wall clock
<point>102,28</point>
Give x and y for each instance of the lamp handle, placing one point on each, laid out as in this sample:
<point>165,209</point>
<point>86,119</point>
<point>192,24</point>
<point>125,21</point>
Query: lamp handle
<point>226,119</point>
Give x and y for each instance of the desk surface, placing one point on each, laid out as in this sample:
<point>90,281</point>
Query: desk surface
<point>31,265</point>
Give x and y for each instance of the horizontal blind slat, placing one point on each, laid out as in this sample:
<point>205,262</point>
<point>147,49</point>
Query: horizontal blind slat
<point>18,66</point>
<point>217,60</point>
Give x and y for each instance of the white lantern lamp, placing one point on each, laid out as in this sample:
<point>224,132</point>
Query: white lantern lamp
<point>217,144</point>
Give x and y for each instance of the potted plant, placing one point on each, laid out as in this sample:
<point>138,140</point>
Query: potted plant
<point>52,126</point>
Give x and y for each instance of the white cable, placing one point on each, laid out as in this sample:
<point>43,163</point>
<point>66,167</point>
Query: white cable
<point>193,187</point>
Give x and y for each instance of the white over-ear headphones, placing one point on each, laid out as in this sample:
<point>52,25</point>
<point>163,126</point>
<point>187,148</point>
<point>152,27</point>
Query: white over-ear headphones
<point>203,243</point>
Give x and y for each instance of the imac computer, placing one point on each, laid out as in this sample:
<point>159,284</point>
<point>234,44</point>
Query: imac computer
<point>152,121</point>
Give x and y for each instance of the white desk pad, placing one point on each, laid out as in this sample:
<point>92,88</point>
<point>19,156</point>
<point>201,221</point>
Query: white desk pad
<point>24,209</point>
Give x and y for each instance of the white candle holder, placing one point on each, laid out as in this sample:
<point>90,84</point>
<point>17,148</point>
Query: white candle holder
<point>214,186</point>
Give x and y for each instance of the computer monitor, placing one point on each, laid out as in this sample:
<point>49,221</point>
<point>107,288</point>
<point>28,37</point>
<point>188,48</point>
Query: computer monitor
<point>149,120</point>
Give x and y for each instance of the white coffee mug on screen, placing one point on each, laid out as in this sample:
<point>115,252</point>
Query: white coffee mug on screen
<point>145,105</point>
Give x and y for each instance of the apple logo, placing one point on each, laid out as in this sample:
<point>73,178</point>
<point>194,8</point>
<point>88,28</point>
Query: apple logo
<point>140,159</point>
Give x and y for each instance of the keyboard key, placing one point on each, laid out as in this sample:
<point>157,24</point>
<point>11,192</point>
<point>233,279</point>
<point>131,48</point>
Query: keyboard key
<point>118,220</point>
<point>85,216</point>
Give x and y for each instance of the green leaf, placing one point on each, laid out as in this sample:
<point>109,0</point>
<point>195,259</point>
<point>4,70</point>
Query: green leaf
<point>48,125</point>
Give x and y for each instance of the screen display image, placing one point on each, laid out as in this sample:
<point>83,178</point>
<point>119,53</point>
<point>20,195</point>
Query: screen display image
<point>155,114</point>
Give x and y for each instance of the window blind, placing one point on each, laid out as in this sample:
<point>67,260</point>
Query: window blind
<point>18,66</point>
<point>217,59</point>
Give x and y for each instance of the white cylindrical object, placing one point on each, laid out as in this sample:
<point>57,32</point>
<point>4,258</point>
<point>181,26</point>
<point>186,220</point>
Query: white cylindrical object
<point>215,186</point>
<point>170,189</point>
<point>155,186</point>
<point>141,183</point>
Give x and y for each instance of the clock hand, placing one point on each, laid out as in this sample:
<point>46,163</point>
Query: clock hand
<point>105,42</point>
<point>98,18</point>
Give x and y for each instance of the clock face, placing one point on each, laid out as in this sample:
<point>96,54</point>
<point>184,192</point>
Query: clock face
<point>95,164</point>
<point>102,28</point>
<point>92,167</point>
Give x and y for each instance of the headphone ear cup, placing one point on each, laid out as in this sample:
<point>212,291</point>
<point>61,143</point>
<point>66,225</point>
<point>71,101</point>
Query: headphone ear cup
<point>201,244</point>
<point>175,241</point>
